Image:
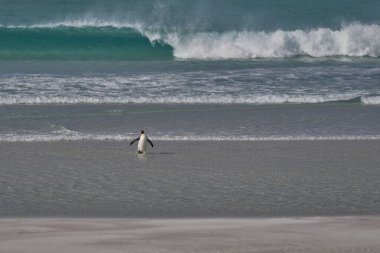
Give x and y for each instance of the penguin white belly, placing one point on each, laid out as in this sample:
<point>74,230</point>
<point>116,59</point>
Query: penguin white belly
<point>141,147</point>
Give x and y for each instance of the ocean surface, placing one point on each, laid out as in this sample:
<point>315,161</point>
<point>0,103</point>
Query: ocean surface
<point>208,70</point>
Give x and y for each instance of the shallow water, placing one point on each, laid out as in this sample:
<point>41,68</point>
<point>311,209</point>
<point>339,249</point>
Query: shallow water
<point>190,179</point>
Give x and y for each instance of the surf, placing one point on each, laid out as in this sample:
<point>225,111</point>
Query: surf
<point>183,99</point>
<point>354,40</point>
<point>101,40</point>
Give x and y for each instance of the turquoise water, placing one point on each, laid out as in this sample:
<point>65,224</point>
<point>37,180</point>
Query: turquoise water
<point>91,43</point>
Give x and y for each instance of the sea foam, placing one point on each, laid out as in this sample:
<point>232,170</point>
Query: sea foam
<point>181,99</point>
<point>76,136</point>
<point>370,100</point>
<point>354,40</point>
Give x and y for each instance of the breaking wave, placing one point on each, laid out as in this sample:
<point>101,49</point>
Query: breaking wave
<point>96,39</point>
<point>370,100</point>
<point>256,100</point>
<point>355,40</point>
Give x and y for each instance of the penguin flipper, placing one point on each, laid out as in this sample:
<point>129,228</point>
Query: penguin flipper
<point>134,141</point>
<point>150,142</point>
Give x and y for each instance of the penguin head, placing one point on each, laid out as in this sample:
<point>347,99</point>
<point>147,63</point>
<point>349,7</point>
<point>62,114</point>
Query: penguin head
<point>142,131</point>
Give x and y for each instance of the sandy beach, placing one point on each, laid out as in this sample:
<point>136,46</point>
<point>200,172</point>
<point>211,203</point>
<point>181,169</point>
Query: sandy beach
<point>269,235</point>
<point>264,117</point>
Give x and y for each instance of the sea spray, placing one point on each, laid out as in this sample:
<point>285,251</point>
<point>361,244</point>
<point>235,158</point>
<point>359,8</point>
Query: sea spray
<point>355,40</point>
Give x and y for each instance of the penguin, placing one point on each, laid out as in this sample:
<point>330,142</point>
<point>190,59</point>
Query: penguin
<point>141,146</point>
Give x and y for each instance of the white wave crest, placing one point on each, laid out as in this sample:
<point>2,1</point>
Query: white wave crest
<point>354,40</point>
<point>82,23</point>
<point>370,100</point>
<point>179,99</point>
<point>76,136</point>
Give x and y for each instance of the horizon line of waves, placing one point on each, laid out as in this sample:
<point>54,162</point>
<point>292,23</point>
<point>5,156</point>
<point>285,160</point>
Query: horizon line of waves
<point>220,99</point>
<point>352,40</point>
<point>76,136</point>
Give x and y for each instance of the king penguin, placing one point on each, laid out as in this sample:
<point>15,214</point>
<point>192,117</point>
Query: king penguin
<point>143,139</point>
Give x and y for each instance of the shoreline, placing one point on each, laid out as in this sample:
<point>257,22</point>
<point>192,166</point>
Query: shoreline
<point>312,234</point>
<point>175,139</point>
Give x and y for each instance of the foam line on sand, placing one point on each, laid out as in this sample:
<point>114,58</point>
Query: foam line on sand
<point>318,234</point>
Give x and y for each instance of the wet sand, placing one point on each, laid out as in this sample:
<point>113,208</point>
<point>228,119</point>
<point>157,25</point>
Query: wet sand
<point>187,179</point>
<point>268,235</point>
